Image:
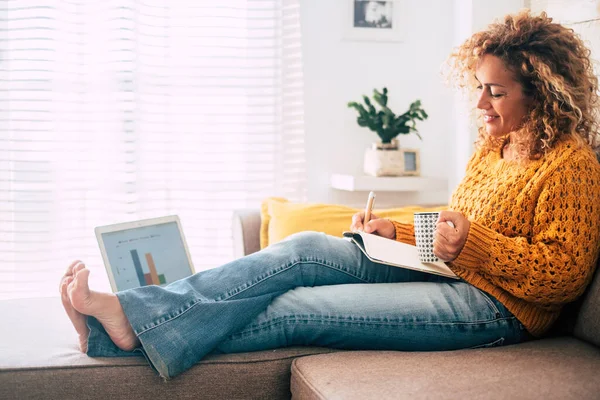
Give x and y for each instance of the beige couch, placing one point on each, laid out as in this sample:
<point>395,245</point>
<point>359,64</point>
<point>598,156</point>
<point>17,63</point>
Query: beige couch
<point>39,360</point>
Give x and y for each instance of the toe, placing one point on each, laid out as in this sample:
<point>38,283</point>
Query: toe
<point>64,284</point>
<point>82,275</point>
<point>78,291</point>
<point>64,296</point>
<point>78,267</point>
<point>77,319</point>
<point>70,268</point>
<point>68,273</point>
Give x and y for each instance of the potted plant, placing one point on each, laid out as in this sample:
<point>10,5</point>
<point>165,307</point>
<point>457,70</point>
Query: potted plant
<point>386,158</point>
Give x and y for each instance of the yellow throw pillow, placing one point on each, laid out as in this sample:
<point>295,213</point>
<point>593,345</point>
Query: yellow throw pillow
<point>281,218</point>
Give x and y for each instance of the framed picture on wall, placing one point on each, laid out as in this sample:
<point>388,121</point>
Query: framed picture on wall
<point>372,20</point>
<point>411,162</point>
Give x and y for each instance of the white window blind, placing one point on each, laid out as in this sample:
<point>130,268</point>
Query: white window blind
<point>119,110</point>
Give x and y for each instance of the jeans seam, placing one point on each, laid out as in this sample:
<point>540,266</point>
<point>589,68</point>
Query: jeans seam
<point>492,305</point>
<point>285,268</point>
<point>156,325</point>
<point>336,320</point>
<point>268,275</point>
<point>494,343</point>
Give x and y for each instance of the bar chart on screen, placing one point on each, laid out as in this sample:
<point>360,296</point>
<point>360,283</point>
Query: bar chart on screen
<point>149,278</point>
<point>152,255</point>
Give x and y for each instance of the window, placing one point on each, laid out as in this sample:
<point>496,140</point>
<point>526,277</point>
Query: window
<point>113,111</point>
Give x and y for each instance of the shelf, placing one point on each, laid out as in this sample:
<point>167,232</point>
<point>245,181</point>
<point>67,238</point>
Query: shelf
<point>357,183</point>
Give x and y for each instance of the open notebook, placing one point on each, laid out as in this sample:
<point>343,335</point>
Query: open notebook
<point>397,254</point>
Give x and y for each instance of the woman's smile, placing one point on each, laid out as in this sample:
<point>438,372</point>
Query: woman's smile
<point>501,100</point>
<point>488,119</point>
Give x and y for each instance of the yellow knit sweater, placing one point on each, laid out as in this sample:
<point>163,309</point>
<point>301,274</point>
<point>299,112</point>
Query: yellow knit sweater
<point>535,230</point>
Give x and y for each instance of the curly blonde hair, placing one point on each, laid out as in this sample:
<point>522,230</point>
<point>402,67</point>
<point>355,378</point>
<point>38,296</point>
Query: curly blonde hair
<point>554,69</point>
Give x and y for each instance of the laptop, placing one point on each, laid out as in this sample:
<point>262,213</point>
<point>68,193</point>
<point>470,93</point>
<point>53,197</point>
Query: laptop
<point>146,252</point>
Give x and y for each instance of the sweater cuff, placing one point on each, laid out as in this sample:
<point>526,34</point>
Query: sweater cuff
<point>475,252</point>
<point>404,232</point>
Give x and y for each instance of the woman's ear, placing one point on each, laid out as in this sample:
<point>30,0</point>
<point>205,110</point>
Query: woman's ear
<point>530,101</point>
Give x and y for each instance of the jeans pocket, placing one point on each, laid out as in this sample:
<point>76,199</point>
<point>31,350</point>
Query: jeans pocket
<point>491,304</point>
<point>495,343</point>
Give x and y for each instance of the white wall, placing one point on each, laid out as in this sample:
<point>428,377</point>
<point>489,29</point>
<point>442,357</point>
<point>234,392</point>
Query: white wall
<point>471,16</point>
<point>337,71</point>
<point>583,16</point>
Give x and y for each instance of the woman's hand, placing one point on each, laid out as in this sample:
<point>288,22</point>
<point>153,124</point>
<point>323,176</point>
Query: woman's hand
<point>448,242</point>
<point>378,226</point>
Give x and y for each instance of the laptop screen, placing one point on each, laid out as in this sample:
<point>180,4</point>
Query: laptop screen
<point>150,255</point>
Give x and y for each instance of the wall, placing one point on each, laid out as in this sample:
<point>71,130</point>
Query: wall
<point>337,71</point>
<point>471,16</point>
<point>581,15</point>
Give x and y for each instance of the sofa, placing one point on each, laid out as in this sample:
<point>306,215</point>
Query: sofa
<point>39,359</point>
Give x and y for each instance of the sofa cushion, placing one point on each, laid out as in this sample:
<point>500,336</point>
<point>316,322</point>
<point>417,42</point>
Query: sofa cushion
<point>39,359</point>
<point>246,228</point>
<point>587,326</point>
<point>557,368</point>
<point>281,218</point>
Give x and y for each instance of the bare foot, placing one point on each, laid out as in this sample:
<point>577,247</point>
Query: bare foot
<point>105,307</point>
<point>77,318</point>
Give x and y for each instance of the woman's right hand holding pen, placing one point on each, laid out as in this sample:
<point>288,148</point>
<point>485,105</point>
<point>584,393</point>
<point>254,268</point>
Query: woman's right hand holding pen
<point>377,226</point>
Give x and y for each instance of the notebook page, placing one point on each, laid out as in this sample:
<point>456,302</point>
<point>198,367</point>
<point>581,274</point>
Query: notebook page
<point>394,252</point>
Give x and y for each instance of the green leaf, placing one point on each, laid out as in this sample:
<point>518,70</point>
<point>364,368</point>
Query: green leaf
<point>377,97</point>
<point>383,120</point>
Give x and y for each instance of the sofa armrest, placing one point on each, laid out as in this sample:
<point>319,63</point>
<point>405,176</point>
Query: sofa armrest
<point>246,232</point>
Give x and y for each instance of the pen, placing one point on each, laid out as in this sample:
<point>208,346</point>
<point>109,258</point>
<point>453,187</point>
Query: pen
<point>369,208</point>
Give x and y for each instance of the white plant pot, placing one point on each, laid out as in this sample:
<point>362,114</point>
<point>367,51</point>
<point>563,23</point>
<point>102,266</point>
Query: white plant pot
<point>383,162</point>
<point>389,160</point>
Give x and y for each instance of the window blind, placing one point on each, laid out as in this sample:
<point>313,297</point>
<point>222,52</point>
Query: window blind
<point>118,110</point>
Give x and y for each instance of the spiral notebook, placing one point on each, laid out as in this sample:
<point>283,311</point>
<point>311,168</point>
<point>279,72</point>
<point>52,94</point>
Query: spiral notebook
<point>386,251</point>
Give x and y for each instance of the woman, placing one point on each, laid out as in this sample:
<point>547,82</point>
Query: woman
<point>525,240</point>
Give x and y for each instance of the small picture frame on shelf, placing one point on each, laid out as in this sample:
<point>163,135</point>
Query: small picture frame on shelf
<point>410,162</point>
<point>372,20</point>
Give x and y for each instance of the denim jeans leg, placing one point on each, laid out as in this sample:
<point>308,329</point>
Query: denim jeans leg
<point>180,323</point>
<point>411,316</point>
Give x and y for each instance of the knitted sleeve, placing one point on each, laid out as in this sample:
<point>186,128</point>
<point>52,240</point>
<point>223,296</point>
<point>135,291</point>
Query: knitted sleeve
<point>404,232</point>
<point>556,263</point>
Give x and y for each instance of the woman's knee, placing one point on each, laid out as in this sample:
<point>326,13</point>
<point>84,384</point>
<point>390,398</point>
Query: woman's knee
<point>317,247</point>
<point>309,244</point>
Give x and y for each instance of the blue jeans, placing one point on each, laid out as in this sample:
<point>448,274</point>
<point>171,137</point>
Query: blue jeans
<point>283,296</point>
